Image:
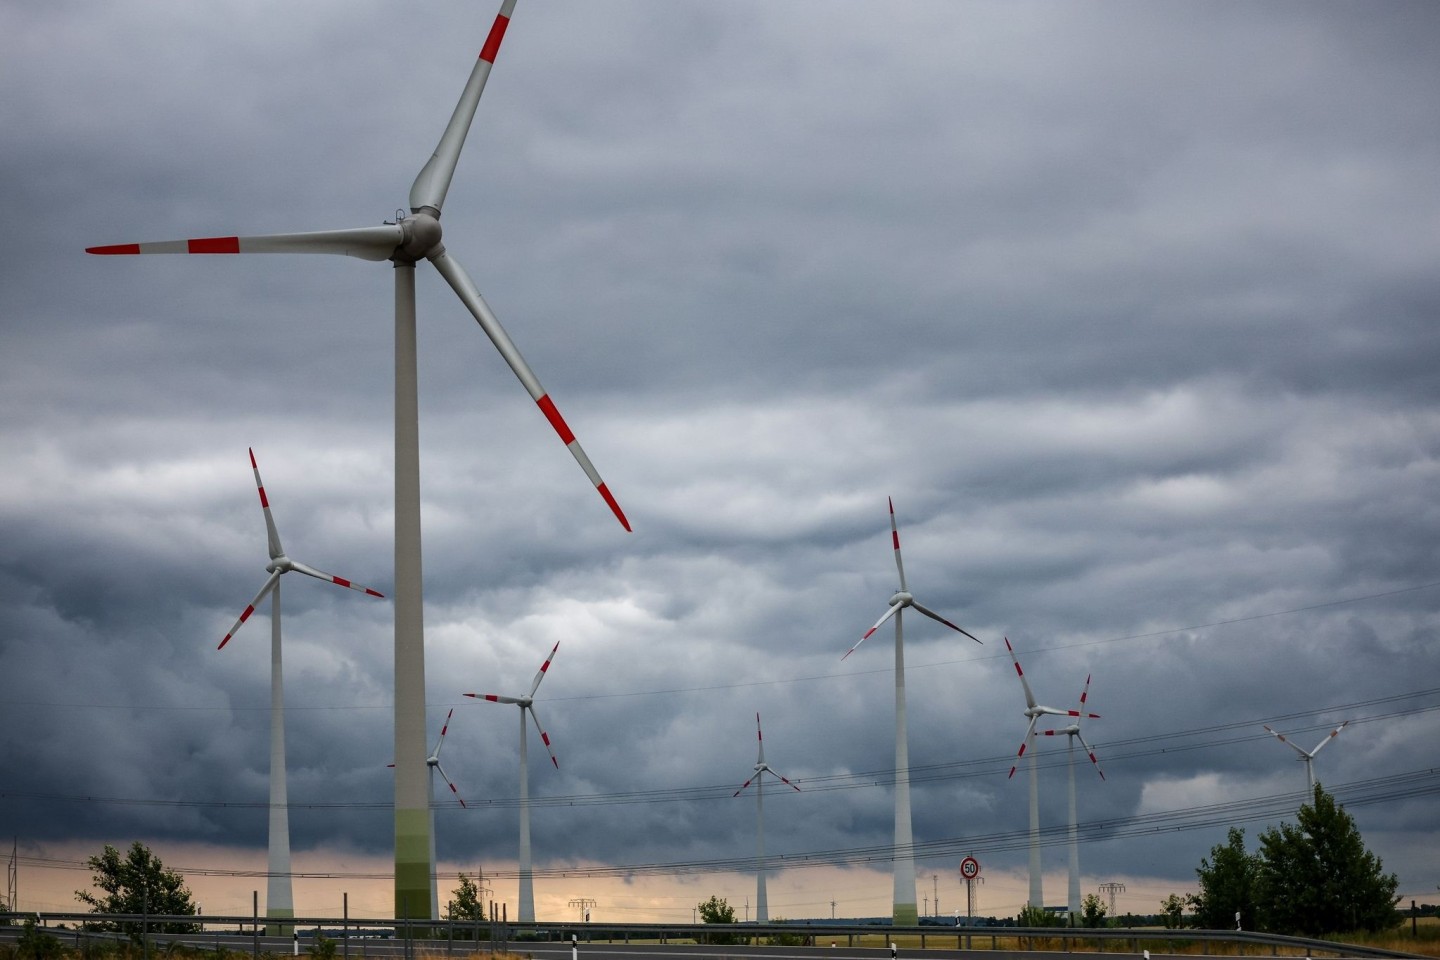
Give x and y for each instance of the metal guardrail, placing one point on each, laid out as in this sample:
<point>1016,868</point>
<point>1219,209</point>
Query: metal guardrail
<point>237,933</point>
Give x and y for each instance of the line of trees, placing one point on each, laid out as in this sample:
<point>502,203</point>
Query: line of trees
<point>1310,878</point>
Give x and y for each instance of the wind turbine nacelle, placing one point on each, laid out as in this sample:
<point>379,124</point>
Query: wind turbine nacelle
<point>422,237</point>
<point>281,563</point>
<point>902,597</point>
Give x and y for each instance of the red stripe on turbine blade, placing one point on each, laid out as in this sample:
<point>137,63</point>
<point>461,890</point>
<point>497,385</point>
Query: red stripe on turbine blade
<point>114,249</point>
<point>492,698</point>
<point>492,42</point>
<point>546,737</point>
<point>341,581</point>
<point>214,245</point>
<point>374,593</point>
<point>253,464</point>
<point>1011,774</point>
<point>264,500</point>
<point>246,615</point>
<point>547,407</point>
<point>614,506</point>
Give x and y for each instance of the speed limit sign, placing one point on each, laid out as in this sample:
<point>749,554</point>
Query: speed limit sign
<point>969,868</point>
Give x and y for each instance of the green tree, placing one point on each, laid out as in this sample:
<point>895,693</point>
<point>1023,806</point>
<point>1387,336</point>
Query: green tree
<point>1172,911</point>
<point>1316,877</point>
<point>1092,911</point>
<point>465,902</point>
<point>717,910</point>
<point>1227,885</point>
<point>138,883</point>
<point>36,944</point>
<point>1033,916</point>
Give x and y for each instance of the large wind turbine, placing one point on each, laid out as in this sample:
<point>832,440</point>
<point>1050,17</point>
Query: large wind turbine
<point>762,906</point>
<point>1308,757</point>
<point>1034,711</point>
<point>1072,732</point>
<point>906,912</point>
<point>405,243</point>
<point>526,705</point>
<point>279,897</point>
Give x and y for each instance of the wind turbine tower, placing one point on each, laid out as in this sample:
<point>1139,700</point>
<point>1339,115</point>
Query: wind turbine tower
<point>1072,733</point>
<point>526,907</point>
<point>1034,711</point>
<point>905,912</point>
<point>762,907</point>
<point>279,895</point>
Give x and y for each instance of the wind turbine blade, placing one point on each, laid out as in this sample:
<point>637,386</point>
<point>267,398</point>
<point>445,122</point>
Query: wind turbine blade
<point>1090,752</point>
<point>269,585</point>
<point>493,697</point>
<point>448,783</point>
<point>444,728</point>
<point>895,538</point>
<point>338,581</point>
<point>433,183</point>
<point>1029,697</point>
<point>1024,745</point>
<point>760,740</point>
<point>275,549</point>
<point>540,674</point>
<point>1281,738</point>
<point>743,786</point>
<point>783,780</point>
<point>1328,737</point>
<point>1084,696</point>
<point>894,609</point>
<point>461,283</point>
<point>935,616</point>
<point>544,737</point>
<point>364,243</point>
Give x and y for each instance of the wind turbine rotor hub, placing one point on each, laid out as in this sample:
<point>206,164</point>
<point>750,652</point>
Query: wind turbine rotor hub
<point>281,563</point>
<point>422,236</point>
<point>902,597</point>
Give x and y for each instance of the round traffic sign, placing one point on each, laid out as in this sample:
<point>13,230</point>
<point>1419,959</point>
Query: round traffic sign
<point>969,868</point>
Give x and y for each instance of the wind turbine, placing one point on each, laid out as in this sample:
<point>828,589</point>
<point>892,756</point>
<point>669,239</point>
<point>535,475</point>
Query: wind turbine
<point>905,907</point>
<point>404,243</point>
<point>526,705</point>
<point>1072,732</point>
<point>1308,758</point>
<point>762,907</point>
<point>1034,711</point>
<point>433,763</point>
<point>279,897</point>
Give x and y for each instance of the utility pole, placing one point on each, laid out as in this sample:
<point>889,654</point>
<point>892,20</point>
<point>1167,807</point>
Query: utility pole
<point>12,877</point>
<point>935,889</point>
<point>584,903</point>
<point>1111,889</point>
<point>832,909</point>
<point>482,889</point>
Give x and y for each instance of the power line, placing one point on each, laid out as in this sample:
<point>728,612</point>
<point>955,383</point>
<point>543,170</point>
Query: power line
<point>929,773</point>
<point>1384,789</point>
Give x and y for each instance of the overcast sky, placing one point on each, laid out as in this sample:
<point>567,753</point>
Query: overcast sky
<point>1131,307</point>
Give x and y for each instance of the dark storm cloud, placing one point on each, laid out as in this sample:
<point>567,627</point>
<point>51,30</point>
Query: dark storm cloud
<point>1130,309</point>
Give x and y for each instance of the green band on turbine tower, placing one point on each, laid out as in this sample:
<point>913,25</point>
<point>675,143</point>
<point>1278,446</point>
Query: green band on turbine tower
<point>412,864</point>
